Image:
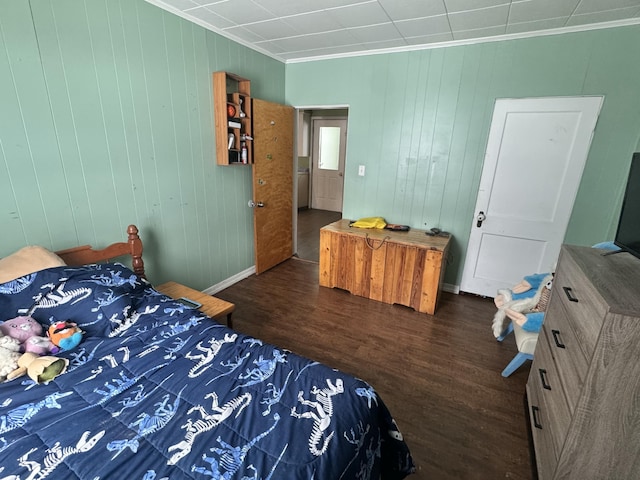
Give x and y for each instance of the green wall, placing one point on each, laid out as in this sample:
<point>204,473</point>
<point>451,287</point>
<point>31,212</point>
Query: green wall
<point>419,121</point>
<point>106,119</point>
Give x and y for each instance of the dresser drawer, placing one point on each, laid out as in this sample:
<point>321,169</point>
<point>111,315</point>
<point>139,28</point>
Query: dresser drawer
<point>565,349</point>
<point>546,456</point>
<point>592,332</point>
<point>584,306</point>
<point>545,377</point>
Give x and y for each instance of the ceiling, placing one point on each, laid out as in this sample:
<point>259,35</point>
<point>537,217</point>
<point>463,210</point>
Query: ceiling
<point>302,30</point>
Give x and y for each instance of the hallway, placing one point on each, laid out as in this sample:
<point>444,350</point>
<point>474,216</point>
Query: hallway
<point>309,223</point>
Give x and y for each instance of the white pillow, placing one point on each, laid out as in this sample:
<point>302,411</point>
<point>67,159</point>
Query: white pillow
<point>27,260</point>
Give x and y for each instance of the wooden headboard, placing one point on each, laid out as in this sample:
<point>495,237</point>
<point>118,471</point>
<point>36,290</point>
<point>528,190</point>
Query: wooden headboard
<point>86,254</point>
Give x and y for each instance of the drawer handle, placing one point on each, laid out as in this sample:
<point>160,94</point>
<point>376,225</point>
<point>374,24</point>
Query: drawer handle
<point>569,293</point>
<point>543,379</point>
<point>556,339</point>
<point>534,413</point>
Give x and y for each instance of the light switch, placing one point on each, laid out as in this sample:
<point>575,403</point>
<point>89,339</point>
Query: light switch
<point>361,170</point>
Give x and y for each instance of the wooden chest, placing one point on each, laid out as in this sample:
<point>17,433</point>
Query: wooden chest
<point>392,267</point>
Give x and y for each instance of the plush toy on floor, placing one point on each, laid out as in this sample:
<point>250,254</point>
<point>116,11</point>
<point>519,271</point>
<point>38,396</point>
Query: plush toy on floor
<point>524,304</point>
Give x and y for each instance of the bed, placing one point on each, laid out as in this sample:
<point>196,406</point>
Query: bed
<point>157,390</point>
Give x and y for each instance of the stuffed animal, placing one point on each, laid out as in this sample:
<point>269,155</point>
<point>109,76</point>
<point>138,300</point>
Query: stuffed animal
<point>525,304</point>
<point>9,355</point>
<point>527,288</point>
<point>65,335</point>
<point>28,332</point>
<point>40,369</point>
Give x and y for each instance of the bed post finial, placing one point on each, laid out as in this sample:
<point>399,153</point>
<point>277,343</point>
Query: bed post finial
<point>135,245</point>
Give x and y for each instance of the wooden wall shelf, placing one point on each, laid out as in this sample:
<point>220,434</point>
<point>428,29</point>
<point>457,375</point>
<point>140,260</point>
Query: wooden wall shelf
<point>232,108</point>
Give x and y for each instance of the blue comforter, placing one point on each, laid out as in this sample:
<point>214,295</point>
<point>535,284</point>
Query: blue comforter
<point>158,390</point>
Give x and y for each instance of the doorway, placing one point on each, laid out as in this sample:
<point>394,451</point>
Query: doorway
<point>329,144</point>
<point>536,152</point>
<point>321,158</point>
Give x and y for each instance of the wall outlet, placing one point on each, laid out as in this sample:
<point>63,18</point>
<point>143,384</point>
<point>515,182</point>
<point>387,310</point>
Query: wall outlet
<point>361,170</point>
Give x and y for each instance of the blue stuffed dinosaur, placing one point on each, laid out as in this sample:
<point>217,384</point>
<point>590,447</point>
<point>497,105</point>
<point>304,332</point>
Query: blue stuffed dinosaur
<point>524,304</point>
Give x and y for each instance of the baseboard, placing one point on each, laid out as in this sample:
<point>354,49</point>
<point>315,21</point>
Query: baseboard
<point>447,287</point>
<point>213,289</point>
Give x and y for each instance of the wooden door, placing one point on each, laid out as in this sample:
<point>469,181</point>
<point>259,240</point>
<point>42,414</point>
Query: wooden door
<point>536,152</point>
<point>272,183</point>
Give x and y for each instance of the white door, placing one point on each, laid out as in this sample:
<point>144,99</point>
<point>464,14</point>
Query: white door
<point>328,155</point>
<point>535,156</point>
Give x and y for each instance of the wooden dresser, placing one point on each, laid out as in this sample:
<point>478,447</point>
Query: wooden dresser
<point>584,385</point>
<point>392,267</point>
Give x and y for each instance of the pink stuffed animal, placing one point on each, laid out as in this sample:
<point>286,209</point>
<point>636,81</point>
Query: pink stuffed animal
<point>29,333</point>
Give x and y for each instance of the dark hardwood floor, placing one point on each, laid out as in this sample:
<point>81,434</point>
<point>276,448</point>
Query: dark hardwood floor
<point>309,223</point>
<point>439,375</point>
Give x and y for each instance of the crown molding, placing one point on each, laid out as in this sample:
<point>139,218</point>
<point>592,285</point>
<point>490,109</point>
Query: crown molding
<point>472,41</point>
<point>207,26</point>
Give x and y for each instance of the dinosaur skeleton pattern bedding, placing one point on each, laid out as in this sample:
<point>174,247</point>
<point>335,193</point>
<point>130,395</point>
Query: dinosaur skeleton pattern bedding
<point>157,390</point>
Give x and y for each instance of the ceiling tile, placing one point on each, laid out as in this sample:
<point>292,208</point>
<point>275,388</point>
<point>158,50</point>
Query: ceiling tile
<point>285,8</point>
<point>205,3</point>
<point>479,33</point>
<point>546,24</point>
<point>477,19</point>
<point>271,47</point>
<point>427,39</point>
<point>241,12</point>
<point>244,34</point>
<point>375,33</point>
<point>421,27</point>
<point>304,28</point>
<point>271,29</point>
<point>409,9</point>
<point>318,40</point>
<point>463,5</point>
<point>210,18</point>
<point>592,6</point>
<point>181,4</point>
<point>532,10</point>
<point>398,42</point>
<point>598,17</point>
<point>359,15</point>
<point>313,22</point>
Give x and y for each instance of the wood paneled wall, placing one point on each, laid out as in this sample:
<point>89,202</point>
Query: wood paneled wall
<point>106,120</point>
<point>419,122</point>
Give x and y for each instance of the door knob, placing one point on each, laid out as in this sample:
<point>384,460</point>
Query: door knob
<point>253,204</point>
<point>480,218</point>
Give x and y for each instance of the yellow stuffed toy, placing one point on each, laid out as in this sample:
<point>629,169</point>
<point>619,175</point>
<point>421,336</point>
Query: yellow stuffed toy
<point>40,369</point>
<point>369,222</point>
